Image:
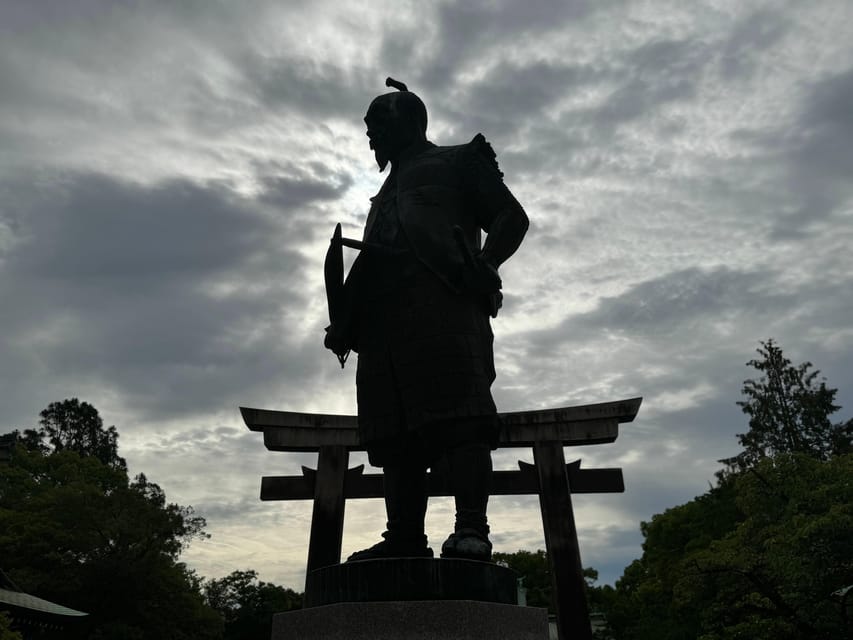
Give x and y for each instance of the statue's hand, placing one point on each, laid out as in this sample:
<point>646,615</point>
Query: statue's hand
<point>479,276</point>
<point>482,277</point>
<point>335,342</point>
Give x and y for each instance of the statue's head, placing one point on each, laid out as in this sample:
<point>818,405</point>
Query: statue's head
<point>395,121</point>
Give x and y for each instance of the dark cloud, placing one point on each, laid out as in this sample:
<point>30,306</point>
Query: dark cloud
<point>175,295</point>
<point>95,226</point>
<point>651,75</point>
<point>659,307</point>
<point>825,125</point>
<point>512,96</point>
<point>812,159</point>
<point>749,40</point>
<point>289,193</point>
<point>464,30</point>
<point>309,87</point>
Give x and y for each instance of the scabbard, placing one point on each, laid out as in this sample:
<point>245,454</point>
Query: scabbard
<point>333,270</point>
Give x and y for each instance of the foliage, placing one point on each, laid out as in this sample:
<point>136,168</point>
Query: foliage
<point>533,569</point>
<point>247,604</point>
<point>769,576</point>
<point>788,412</point>
<point>75,426</point>
<point>759,555</point>
<point>773,576</point>
<point>646,602</point>
<point>6,632</point>
<point>74,529</point>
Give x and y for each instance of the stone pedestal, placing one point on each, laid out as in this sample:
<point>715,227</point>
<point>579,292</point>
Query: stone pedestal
<point>413,620</point>
<point>402,579</point>
<point>412,599</point>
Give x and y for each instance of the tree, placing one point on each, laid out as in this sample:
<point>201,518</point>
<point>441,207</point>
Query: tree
<point>759,555</point>
<point>76,426</point>
<point>247,604</point>
<point>535,571</point>
<point>533,568</point>
<point>757,558</point>
<point>788,411</point>
<point>6,632</point>
<point>75,529</point>
<point>647,603</point>
<point>773,576</point>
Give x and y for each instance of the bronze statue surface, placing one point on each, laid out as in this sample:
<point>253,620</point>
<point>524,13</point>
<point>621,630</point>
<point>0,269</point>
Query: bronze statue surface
<point>415,307</point>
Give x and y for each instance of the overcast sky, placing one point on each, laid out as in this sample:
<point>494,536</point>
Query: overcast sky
<point>171,172</point>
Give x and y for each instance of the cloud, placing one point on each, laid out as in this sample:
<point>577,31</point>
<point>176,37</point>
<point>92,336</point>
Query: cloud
<point>97,227</point>
<point>813,160</point>
<point>822,163</point>
<point>167,295</point>
<point>304,85</point>
<point>289,194</point>
<point>749,40</point>
<point>664,311</point>
<point>651,75</point>
<point>447,44</point>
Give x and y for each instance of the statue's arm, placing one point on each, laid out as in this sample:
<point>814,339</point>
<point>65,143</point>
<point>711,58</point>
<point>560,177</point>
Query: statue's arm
<point>505,235</point>
<point>498,213</point>
<point>497,210</point>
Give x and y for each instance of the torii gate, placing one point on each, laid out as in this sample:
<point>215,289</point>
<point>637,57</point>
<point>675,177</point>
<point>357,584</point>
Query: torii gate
<point>546,431</point>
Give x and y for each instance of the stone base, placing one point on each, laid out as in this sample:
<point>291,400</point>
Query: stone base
<point>429,620</point>
<point>399,579</point>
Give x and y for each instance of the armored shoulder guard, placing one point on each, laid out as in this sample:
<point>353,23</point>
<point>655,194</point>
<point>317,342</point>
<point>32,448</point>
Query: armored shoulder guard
<point>482,153</point>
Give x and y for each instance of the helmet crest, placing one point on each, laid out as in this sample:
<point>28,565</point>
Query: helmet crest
<point>399,86</point>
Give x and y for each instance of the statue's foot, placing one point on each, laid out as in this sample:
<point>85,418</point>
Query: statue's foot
<point>468,544</point>
<point>394,547</point>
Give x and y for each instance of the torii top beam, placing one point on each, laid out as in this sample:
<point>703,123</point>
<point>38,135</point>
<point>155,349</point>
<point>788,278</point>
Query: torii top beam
<point>573,426</point>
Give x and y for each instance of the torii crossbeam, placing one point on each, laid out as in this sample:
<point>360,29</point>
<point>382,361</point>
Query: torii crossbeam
<point>546,431</point>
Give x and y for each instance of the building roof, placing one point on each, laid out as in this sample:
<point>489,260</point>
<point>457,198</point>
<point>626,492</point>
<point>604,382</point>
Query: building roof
<point>26,601</point>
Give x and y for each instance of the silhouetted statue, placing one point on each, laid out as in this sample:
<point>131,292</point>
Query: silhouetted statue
<point>416,307</point>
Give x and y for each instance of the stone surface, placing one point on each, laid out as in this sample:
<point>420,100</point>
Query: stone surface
<point>417,620</point>
<point>399,579</point>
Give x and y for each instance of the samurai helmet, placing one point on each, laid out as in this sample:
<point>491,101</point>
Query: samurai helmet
<point>395,121</point>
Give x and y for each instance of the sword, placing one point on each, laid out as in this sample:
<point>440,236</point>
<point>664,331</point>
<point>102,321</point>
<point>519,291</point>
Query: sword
<point>333,270</point>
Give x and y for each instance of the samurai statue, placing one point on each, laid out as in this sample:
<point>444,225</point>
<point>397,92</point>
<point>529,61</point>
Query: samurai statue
<point>415,307</point>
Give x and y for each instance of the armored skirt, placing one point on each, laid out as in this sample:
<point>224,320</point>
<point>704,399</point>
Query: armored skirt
<point>425,368</point>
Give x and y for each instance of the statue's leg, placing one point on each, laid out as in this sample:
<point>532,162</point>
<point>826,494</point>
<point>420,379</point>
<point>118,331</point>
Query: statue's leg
<point>470,468</point>
<point>405,503</point>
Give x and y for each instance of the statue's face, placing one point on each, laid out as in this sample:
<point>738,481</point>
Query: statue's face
<point>387,131</point>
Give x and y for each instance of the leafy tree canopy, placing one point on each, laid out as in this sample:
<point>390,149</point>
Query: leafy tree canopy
<point>74,529</point>
<point>534,569</point>
<point>759,555</point>
<point>773,576</point>
<point>789,411</point>
<point>75,426</point>
<point>6,632</point>
<point>247,604</point>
